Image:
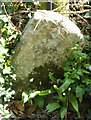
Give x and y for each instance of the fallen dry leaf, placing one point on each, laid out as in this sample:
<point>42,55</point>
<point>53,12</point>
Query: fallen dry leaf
<point>19,106</point>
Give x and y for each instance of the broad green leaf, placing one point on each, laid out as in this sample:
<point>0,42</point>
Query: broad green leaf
<point>39,101</point>
<point>52,106</point>
<point>79,92</point>
<point>65,85</point>
<point>52,78</point>
<point>63,111</point>
<point>74,102</point>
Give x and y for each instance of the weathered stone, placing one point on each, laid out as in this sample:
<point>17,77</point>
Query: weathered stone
<point>42,49</point>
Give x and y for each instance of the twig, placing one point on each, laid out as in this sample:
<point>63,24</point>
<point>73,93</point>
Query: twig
<point>39,21</point>
<point>77,12</point>
<point>82,18</point>
<point>58,8</point>
<point>10,19</point>
<point>23,11</point>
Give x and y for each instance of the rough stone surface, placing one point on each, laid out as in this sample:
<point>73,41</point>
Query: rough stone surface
<point>42,49</point>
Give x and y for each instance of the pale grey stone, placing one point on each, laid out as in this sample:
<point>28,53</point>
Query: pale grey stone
<point>42,49</point>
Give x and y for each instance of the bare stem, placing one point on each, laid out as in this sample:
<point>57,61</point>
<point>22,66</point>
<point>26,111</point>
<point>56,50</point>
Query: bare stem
<point>67,109</point>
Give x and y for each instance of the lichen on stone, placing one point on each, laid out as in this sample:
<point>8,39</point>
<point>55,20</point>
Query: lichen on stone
<point>41,48</point>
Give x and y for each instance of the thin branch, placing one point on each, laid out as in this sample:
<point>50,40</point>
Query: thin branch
<point>58,8</point>
<point>77,12</point>
<point>82,18</point>
<point>67,109</point>
<point>10,19</point>
<point>15,13</point>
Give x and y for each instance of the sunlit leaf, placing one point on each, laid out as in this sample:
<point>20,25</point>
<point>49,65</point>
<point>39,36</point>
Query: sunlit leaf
<point>33,94</point>
<point>6,70</point>
<point>3,50</point>
<point>1,80</point>
<point>24,97</point>
<point>65,85</point>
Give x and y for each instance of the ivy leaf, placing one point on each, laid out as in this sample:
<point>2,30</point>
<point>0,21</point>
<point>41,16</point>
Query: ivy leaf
<point>79,93</point>
<point>2,58</point>
<point>74,102</point>
<point>52,106</point>
<point>3,50</point>
<point>1,80</point>
<point>7,70</point>
<point>65,85</point>
<point>63,111</point>
<point>24,97</point>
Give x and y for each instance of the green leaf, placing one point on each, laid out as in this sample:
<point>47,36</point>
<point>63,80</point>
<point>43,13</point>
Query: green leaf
<point>63,111</point>
<point>87,15</point>
<point>86,66</point>
<point>79,92</point>
<point>52,78</point>
<point>55,97</point>
<point>79,72</point>
<point>52,106</point>
<point>63,99</point>
<point>85,71</point>
<point>74,102</point>
<point>39,101</point>
<point>65,85</point>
